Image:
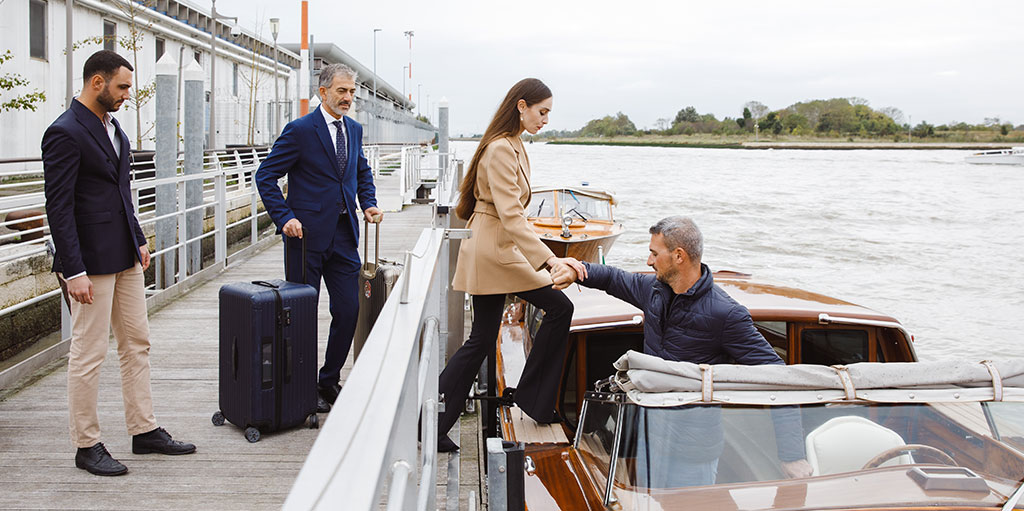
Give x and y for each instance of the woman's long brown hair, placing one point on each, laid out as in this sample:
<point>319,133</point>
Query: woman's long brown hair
<point>505,123</point>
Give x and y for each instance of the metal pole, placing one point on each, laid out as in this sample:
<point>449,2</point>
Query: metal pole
<point>403,81</point>
<point>375,116</point>
<point>419,97</point>
<point>274,25</point>
<point>213,74</point>
<point>409,34</point>
<point>69,59</point>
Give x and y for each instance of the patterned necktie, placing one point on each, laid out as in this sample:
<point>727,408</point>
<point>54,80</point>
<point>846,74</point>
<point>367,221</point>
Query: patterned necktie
<point>340,149</point>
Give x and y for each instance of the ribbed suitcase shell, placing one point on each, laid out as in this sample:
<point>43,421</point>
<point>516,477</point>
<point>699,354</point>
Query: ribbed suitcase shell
<point>267,370</point>
<point>375,282</point>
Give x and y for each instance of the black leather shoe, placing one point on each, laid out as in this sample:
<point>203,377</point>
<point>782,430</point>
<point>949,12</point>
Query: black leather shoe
<point>96,460</point>
<point>445,444</point>
<point>159,441</point>
<point>322,406</point>
<point>329,392</point>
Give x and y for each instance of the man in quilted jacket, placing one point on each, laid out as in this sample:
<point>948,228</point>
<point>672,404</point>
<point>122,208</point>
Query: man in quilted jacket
<point>688,317</point>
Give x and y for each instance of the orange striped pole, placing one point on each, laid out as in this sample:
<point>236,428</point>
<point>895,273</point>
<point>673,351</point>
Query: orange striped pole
<point>304,67</point>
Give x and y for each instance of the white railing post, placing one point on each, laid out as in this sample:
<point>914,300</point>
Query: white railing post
<point>182,232</point>
<point>220,217</point>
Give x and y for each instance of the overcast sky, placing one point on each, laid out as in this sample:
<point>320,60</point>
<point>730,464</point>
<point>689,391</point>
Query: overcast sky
<point>938,61</point>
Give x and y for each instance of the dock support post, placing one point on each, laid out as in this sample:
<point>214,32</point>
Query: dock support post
<point>193,163</point>
<point>166,163</point>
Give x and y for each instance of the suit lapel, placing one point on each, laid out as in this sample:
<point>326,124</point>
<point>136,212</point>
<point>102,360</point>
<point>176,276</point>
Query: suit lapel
<point>94,126</point>
<point>521,153</point>
<point>348,144</point>
<point>324,135</point>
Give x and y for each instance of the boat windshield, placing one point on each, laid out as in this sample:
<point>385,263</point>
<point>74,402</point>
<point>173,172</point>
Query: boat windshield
<point>584,207</point>
<point>699,445</point>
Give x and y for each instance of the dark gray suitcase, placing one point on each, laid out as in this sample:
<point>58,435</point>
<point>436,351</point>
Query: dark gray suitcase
<point>268,348</point>
<point>375,283</point>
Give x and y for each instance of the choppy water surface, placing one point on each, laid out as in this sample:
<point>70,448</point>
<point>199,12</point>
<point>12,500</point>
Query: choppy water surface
<point>920,235</point>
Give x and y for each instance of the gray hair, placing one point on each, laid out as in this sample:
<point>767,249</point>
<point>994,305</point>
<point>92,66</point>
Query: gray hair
<point>681,232</point>
<point>327,74</point>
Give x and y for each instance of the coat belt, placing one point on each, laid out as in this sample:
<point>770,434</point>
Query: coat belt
<point>485,208</point>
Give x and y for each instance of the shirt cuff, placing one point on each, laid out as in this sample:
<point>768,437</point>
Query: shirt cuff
<point>75,276</point>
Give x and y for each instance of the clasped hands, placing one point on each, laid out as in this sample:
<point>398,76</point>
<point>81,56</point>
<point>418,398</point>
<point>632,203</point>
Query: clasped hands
<point>565,271</point>
<point>293,228</point>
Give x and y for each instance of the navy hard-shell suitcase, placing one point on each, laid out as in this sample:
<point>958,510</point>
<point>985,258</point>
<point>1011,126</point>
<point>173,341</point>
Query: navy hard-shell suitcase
<point>268,348</point>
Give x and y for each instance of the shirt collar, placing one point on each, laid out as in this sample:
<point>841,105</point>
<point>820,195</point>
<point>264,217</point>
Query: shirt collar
<point>328,117</point>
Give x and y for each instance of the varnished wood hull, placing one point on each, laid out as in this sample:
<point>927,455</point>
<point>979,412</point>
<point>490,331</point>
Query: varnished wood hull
<point>584,250</point>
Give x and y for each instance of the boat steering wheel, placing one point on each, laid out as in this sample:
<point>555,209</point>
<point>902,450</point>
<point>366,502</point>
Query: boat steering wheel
<point>926,450</point>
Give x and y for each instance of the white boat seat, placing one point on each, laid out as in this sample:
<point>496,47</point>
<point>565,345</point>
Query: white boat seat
<point>847,443</point>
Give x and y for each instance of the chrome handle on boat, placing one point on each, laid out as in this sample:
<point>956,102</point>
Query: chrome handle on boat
<point>530,466</point>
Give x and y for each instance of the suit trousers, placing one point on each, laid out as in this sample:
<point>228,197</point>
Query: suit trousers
<point>119,303</point>
<point>538,386</point>
<point>338,266</point>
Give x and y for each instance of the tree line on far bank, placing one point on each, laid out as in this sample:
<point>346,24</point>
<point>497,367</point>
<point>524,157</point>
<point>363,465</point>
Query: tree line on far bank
<point>836,117</point>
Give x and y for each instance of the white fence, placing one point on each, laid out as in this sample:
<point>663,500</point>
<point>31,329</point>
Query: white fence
<point>369,451</point>
<point>228,186</point>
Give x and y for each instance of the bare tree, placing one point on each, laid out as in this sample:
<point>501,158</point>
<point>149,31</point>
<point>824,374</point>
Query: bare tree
<point>894,113</point>
<point>757,109</point>
<point>253,78</point>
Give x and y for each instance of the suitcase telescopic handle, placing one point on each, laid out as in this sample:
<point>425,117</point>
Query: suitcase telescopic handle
<point>305,234</point>
<point>376,243</point>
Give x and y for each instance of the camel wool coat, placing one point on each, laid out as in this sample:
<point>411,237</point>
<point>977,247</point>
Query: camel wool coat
<point>504,255</point>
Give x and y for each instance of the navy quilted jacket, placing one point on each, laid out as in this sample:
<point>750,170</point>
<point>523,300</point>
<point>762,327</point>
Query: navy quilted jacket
<point>704,325</point>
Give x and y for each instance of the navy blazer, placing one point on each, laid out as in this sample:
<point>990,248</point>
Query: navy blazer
<point>318,189</point>
<point>88,196</point>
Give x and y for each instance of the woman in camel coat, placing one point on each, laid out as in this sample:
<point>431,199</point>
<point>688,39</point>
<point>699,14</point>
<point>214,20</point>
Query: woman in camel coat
<point>504,256</point>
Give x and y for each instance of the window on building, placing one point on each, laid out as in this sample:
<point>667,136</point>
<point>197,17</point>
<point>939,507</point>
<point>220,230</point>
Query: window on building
<point>198,55</point>
<point>37,28</point>
<point>109,35</point>
<point>234,78</point>
<point>159,48</point>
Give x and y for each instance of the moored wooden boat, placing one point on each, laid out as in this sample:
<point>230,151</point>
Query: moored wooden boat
<point>574,221</point>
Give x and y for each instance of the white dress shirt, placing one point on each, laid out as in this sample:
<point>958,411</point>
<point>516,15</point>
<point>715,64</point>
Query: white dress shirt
<point>331,128</point>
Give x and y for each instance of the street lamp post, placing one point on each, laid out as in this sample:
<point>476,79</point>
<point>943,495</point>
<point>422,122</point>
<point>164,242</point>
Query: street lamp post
<point>376,123</point>
<point>213,70</point>
<point>275,25</point>
<point>419,96</point>
<point>403,80</point>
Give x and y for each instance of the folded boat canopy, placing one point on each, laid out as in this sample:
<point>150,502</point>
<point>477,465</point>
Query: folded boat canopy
<point>652,381</point>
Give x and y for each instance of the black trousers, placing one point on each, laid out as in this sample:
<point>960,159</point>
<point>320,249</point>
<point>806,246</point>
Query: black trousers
<point>538,386</point>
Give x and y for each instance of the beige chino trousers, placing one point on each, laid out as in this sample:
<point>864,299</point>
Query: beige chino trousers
<point>119,302</point>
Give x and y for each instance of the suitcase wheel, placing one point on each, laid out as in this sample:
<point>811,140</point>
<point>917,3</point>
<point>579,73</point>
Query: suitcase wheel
<point>252,434</point>
<point>218,418</point>
<point>314,421</point>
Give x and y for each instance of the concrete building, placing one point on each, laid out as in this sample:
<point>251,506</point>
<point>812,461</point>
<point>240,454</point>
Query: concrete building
<point>34,31</point>
<point>387,118</point>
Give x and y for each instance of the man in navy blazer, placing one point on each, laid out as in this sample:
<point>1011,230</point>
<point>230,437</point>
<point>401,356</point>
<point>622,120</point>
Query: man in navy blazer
<point>322,155</point>
<point>101,253</point>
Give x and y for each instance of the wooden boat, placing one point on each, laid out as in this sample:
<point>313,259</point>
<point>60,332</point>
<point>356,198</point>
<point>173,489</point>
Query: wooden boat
<point>563,472</point>
<point>574,221</point>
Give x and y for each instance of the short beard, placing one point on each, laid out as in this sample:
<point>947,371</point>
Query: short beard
<point>666,277</point>
<point>107,100</point>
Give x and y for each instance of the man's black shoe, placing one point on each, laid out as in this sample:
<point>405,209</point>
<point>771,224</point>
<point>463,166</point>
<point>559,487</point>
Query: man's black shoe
<point>322,406</point>
<point>329,392</point>
<point>98,461</point>
<point>159,441</point>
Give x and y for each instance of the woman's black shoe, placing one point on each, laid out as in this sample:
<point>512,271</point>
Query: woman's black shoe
<point>445,444</point>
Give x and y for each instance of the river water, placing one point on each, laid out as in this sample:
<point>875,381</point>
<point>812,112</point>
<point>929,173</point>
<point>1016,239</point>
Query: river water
<point>920,235</point>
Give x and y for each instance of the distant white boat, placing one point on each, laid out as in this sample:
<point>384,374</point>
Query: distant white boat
<point>1014,156</point>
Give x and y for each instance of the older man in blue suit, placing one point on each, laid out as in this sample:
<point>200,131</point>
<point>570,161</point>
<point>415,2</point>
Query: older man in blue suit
<point>101,253</point>
<point>322,155</point>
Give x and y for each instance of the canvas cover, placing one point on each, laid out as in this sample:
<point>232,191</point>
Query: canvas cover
<point>650,380</point>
